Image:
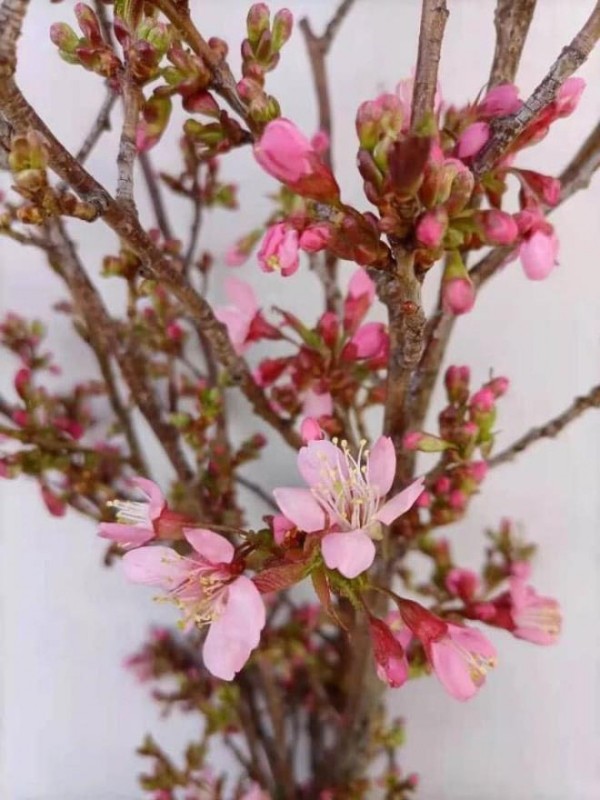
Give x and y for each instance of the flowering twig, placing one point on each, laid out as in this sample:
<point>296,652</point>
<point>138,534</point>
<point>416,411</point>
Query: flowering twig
<point>512,20</point>
<point>551,428</point>
<point>434,14</point>
<point>506,130</point>
<point>22,117</point>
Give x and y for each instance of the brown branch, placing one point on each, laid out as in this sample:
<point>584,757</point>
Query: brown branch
<point>127,146</point>
<point>51,444</point>
<point>550,429</point>
<point>223,80</point>
<point>580,170</point>
<point>434,14</point>
<point>512,21</point>
<point>507,129</point>
<point>100,125</point>
<point>23,117</point>
<point>258,491</point>
<point>12,15</point>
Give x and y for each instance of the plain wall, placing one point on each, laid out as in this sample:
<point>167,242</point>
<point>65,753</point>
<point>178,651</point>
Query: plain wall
<point>71,717</point>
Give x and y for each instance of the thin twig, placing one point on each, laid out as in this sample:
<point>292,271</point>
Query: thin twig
<point>551,428</point>
<point>580,170</point>
<point>101,124</point>
<point>127,146</point>
<point>512,21</point>
<point>155,195</point>
<point>507,129</point>
<point>434,14</point>
<point>257,490</point>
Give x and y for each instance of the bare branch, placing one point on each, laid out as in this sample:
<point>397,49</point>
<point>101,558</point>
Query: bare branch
<point>334,23</point>
<point>512,21</point>
<point>127,148</point>
<point>434,14</point>
<point>580,170</point>
<point>155,195</point>
<point>550,429</point>
<point>507,129</point>
<point>101,124</point>
<point>258,491</point>
<point>12,15</point>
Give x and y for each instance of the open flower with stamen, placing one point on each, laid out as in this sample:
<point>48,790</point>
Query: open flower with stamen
<point>135,519</point>
<point>535,618</point>
<point>208,589</point>
<point>345,500</point>
<point>461,657</point>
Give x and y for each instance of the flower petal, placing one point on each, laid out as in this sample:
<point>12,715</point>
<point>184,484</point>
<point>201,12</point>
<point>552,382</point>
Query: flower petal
<point>381,467</point>
<point>452,670</point>
<point>400,503</point>
<point>125,535</point>
<point>318,460</point>
<point>156,566</point>
<point>213,547</point>
<point>155,496</point>
<point>241,295</point>
<point>234,635</point>
<point>299,506</point>
<point>350,553</point>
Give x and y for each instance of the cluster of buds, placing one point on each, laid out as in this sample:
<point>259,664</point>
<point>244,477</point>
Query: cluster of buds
<point>90,50</point>
<point>260,54</point>
<point>145,41</point>
<point>28,163</point>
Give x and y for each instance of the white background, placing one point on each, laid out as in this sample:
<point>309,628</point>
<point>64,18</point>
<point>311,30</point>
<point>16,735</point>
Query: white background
<point>71,717</point>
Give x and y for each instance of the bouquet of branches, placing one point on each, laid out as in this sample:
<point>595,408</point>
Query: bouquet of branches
<point>292,682</point>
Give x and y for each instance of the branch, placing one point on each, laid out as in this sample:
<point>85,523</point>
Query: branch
<point>127,147</point>
<point>101,124</point>
<point>155,195</point>
<point>127,226</point>
<point>12,15</point>
<point>580,171</point>
<point>512,21</point>
<point>551,428</point>
<point>434,14</point>
<point>507,129</point>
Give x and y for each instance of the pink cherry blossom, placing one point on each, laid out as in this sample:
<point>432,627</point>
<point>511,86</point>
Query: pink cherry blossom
<point>472,139</point>
<point>136,523</point>
<point>498,227</point>
<point>314,238</point>
<point>568,96</point>
<point>538,254</point>
<point>431,229</point>
<point>209,591</point>
<point>310,430</point>
<point>239,314</point>
<point>345,500</point>
<point>461,660</point>
<point>235,256</point>
<point>370,340</point>
<point>536,619</point>
<point>279,250</point>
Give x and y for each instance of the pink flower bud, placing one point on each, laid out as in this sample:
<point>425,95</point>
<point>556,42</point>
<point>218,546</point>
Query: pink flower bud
<point>458,296</point>
<point>545,187</point>
<point>174,332</point>
<point>538,255</point>
<point>500,101</point>
<point>483,400</point>
<point>22,381</point>
<point>370,340</point>
<point>478,470</point>
<point>498,227</point>
<point>310,430</point>
<point>431,228</point>
<point>568,96</point>
<point>411,440</point>
<point>314,238</point>
<point>283,22</point>
<point>463,583</point>
<point>457,500</point>
<point>320,142</point>
<point>56,506</point>
<point>279,250</point>
<point>424,500</point>
<point>20,417</point>
<point>499,386</point>
<point>472,139</point>
<point>442,485</point>
<point>457,380</point>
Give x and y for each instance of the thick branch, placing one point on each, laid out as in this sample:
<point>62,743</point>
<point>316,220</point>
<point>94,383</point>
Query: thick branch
<point>22,117</point>
<point>512,21</point>
<point>507,129</point>
<point>12,14</point>
<point>551,428</point>
<point>434,14</point>
<point>127,147</point>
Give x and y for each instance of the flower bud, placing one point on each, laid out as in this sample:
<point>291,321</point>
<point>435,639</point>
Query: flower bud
<point>456,381</point>
<point>458,292</point>
<point>472,139</point>
<point>431,228</point>
<point>257,21</point>
<point>310,430</point>
<point>500,101</point>
<point>568,96</point>
<point>283,22</point>
<point>425,442</point>
<point>499,228</point>
<point>65,38</point>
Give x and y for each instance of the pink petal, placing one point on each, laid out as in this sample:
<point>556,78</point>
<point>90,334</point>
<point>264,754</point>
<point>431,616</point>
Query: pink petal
<point>236,632</point>
<point>301,508</point>
<point>157,566</point>
<point>213,547</point>
<point>538,255</point>
<point>381,466</point>
<point>319,458</point>
<point>350,553</point>
<point>237,326</point>
<point>360,284</point>
<point>317,404</point>
<point>452,670</point>
<point>154,494</point>
<point>400,503</point>
<point>241,295</point>
<point>125,535</point>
